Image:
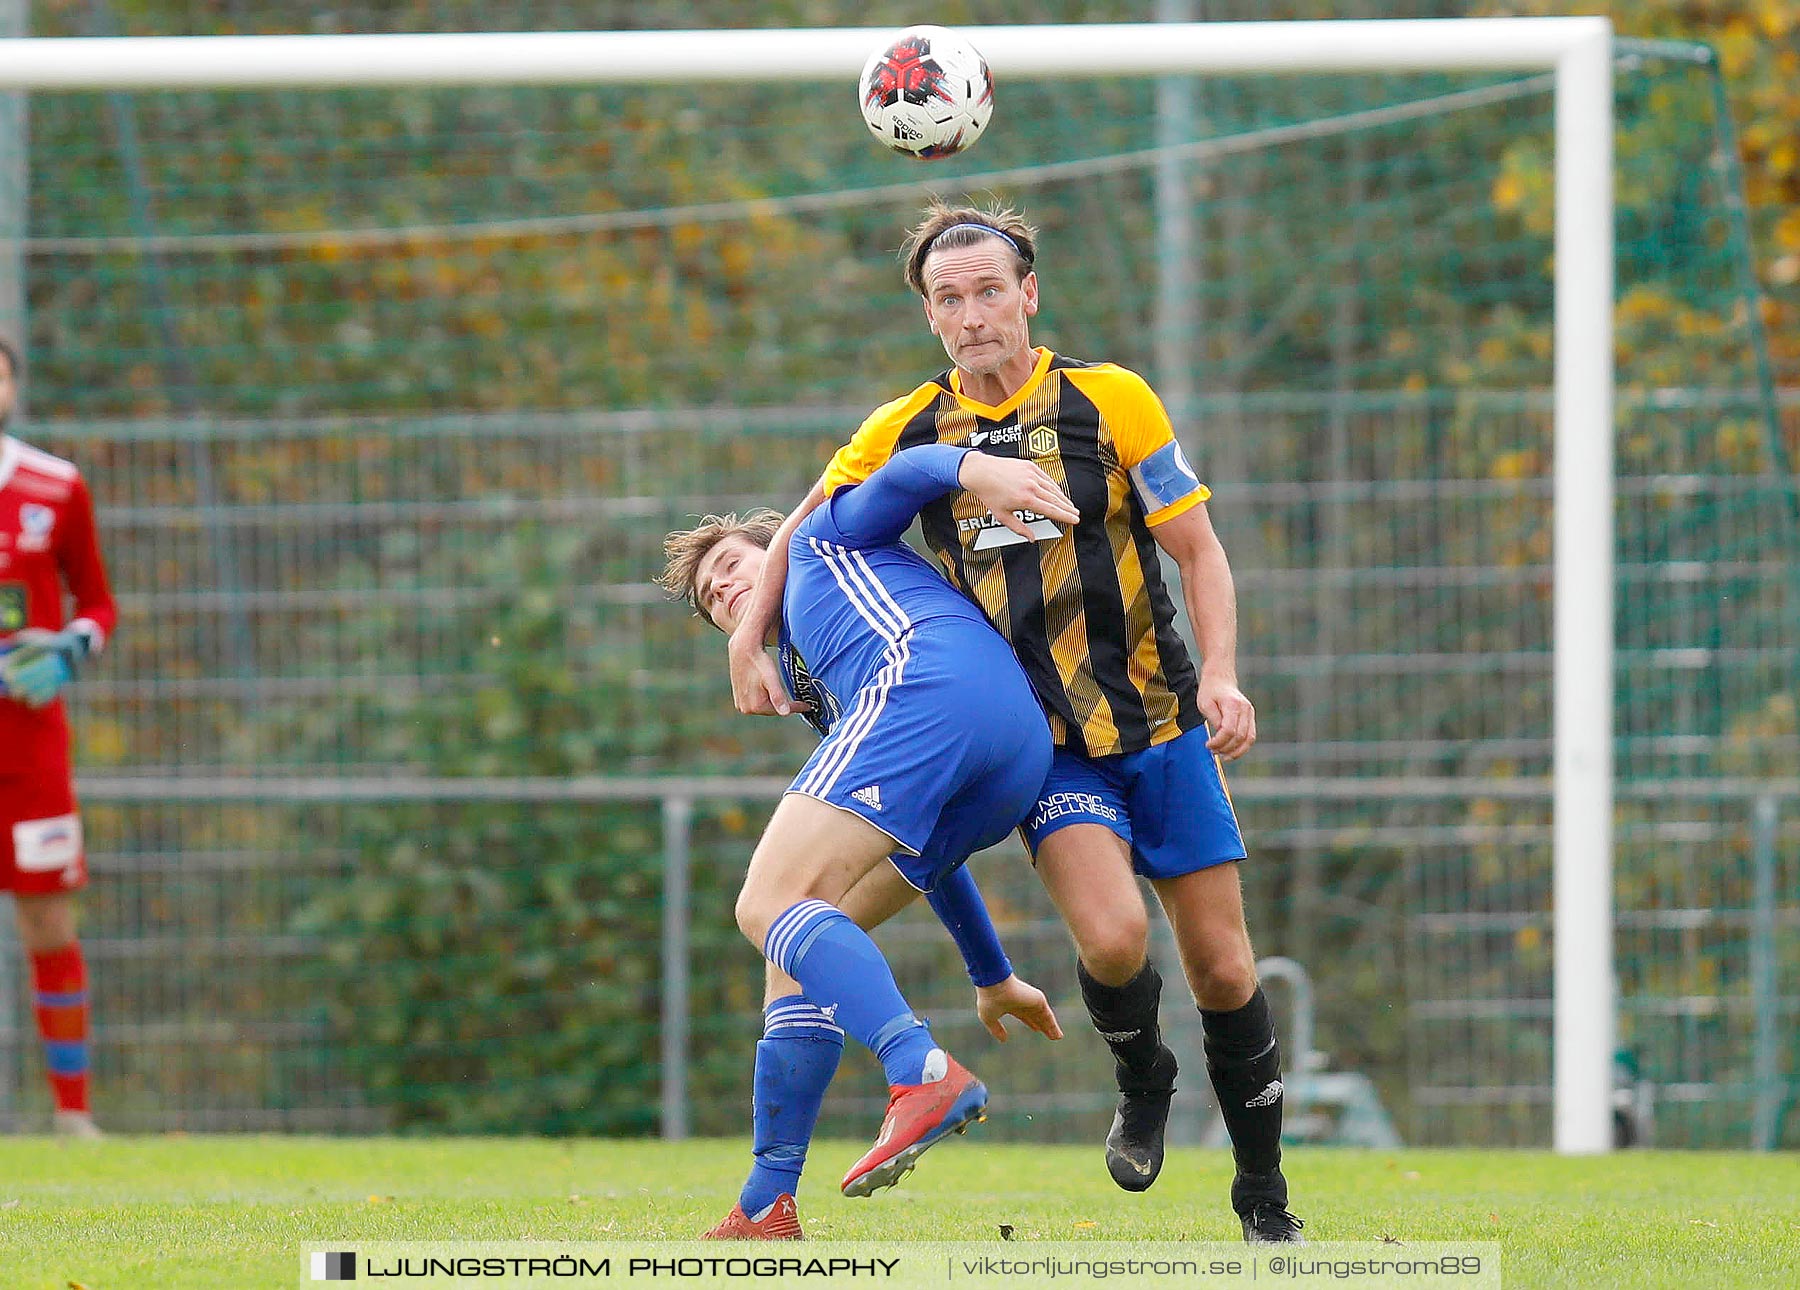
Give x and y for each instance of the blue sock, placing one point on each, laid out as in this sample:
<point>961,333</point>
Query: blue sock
<point>795,1061</point>
<point>844,973</point>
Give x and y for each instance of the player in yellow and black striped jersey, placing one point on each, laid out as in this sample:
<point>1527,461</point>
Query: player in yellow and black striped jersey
<point>1135,786</point>
<point>1087,611</point>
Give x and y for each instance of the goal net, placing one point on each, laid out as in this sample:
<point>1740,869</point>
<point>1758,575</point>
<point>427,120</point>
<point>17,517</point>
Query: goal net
<point>388,396</point>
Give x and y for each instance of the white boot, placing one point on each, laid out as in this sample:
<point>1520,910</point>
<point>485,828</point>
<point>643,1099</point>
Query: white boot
<point>74,1124</point>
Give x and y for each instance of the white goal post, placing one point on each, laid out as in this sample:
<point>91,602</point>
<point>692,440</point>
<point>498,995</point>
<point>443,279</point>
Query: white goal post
<point>1579,53</point>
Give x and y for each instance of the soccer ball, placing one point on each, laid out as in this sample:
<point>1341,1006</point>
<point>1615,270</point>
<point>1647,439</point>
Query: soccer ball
<point>928,94</point>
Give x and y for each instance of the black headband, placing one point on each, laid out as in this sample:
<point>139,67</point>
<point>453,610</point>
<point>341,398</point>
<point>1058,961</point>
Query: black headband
<point>985,228</point>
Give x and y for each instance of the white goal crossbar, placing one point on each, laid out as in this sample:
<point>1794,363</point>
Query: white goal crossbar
<point>1578,51</point>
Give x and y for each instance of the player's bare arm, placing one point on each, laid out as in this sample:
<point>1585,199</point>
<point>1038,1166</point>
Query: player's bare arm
<point>1211,599</point>
<point>756,686</point>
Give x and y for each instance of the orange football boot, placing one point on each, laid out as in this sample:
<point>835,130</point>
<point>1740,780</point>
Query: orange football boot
<point>918,1116</point>
<point>780,1222</point>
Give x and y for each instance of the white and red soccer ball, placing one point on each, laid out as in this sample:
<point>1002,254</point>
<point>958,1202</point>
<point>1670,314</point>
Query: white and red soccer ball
<point>927,94</point>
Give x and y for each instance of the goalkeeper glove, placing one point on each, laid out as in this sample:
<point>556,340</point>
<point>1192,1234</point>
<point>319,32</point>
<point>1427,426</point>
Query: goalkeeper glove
<point>37,664</point>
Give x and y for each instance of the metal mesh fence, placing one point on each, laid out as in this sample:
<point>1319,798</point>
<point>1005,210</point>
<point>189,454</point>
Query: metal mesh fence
<point>387,400</point>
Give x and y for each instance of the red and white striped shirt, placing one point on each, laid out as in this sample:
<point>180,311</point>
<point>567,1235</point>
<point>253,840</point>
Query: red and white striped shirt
<point>48,547</point>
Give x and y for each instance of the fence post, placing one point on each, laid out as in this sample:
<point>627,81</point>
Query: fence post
<point>15,205</point>
<point>12,1021</point>
<point>678,817</point>
<point>1764,984</point>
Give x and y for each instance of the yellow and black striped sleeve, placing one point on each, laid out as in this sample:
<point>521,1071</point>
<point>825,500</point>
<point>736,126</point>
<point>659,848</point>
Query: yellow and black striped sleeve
<point>873,443</point>
<point>1165,483</point>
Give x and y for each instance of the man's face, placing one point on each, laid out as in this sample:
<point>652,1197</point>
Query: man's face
<point>725,577</point>
<point>977,307</point>
<point>9,389</point>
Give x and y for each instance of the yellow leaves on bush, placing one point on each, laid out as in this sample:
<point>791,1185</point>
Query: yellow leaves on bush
<point>1486,811</point>
<point>1524,188</point>
<point>309,217</point>
<point>1508,191</point>
<point>103,742</point>
<point>1738,42</point>
<point>1784,269</point>
<point>1760,742</point>
<point>1782,156</point>
<point>1523,463</point>
<point>737,256</point>
<point>485,323</point>
<point>1640,304</point>
<point>1776,18</point>
<point>1691,324</point>
<point>1739,445</point>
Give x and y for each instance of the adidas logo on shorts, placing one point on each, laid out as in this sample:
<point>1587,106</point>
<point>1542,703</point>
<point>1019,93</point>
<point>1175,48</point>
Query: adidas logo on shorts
<point>870,796</point>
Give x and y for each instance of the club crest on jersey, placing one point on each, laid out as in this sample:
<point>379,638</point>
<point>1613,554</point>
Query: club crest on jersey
<point>35,523</point>
<point>1041,442</point>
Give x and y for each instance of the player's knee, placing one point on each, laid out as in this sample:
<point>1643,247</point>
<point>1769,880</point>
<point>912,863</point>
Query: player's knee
<point>1114,949</point>
<point>754,915</point>
<point>45,922</point>
<point>1224,974</point>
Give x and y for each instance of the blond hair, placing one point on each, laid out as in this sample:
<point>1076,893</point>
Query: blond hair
<point>951,228</point>
<point>684,549</point>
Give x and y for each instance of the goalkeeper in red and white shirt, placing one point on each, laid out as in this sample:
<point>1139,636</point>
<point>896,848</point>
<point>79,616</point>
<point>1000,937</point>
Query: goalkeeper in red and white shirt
<point>49,559</point>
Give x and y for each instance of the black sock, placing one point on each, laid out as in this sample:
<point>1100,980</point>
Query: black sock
<point>1244,1059</point>
<point>1125,1016</point>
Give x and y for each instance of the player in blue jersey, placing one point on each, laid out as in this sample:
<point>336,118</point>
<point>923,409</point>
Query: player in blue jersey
<point>935,747</point>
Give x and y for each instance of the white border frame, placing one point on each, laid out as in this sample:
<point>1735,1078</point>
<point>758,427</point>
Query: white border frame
<point>1579,51</point>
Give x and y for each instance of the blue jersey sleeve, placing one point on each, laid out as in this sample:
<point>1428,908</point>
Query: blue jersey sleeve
<point>957,902</point>
<point>878,510</point>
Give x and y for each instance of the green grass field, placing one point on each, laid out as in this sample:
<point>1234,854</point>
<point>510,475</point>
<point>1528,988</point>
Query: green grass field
<point>182,1213</point>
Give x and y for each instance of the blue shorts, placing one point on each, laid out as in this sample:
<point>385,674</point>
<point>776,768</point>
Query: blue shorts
<point>1169,804</point>
<point>945,751</point>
